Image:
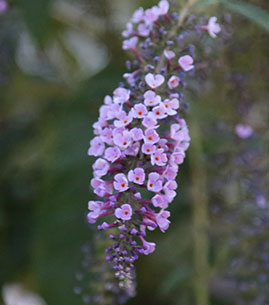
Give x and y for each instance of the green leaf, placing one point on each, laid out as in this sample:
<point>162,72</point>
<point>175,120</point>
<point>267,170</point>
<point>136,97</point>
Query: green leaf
<point>254,13</point>
<point>206,2</point>
<point>36,15</point>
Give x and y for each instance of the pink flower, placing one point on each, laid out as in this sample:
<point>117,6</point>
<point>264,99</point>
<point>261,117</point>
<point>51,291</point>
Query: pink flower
<point>101,187</point>
<point>243,131</point>
<point>150,122</point>
<point>163,7</point>
<point>151,136</point>
<point>130,77</point>
<point>159,158</point>
<point>213,27</point>
<point>162,220</point>
<point>171,106</point>
<point>112,154</point>
<point>173,82</point>
<point>178,133</point>
<point>151,99</point>
<point>107,136</point>
<point>171,172</point>
<point>138,15</point>
<point>109,112</point>
<point>130,44</point>
<point>98,126</point>
<point>162,144</point>
<point>261,201</point>
<point>128,31</point>
<point>169,190</point>
<point>124,119</point>
<point>149,247</point>
<point>125,212</point>
<point>148,149</point>
<point>120,183</point>
<point>100,167</point>
<point>123,140</point>
<point>169,54</point>
<point>133,150</point>
<point>96,209</point>
<point>151,15</point>
<point>137,134</point>
<point>159,201</point>
<point>177,158</point>
<point>108,100</point>
<point>154,183</point>
<point>97,147</point>
<point>137,175</point>
<point>3,6</point>
<point>186,62</point>
<point>140,111</point>
<point>121,95</point>
<point>154,81</point>
<point>144,29</point>
<point>159,112</point>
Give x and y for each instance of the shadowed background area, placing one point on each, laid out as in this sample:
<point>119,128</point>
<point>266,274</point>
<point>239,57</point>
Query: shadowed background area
<point>58,59</point>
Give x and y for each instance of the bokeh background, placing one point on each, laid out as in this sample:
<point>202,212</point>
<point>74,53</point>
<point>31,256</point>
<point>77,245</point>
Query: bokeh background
<point>58,59</point>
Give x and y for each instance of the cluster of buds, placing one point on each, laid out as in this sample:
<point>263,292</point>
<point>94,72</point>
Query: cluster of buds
<point>140,138</point>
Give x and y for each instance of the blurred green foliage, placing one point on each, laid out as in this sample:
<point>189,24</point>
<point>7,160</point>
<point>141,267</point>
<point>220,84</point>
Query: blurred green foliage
<point>49,100</point>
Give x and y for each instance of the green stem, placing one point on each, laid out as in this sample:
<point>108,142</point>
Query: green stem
<point>200,217</point>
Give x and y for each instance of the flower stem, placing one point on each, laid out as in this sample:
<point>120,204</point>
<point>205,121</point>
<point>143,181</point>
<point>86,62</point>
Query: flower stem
<point>183,14</point>
<point>200,217</point>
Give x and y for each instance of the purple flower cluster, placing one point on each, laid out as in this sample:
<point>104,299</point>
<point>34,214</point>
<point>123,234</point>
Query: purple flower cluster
<point>140,140</point>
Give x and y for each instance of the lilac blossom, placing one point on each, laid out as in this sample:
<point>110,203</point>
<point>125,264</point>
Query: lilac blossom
<point>173,82</point>
<point>148,148</point>
<point>100,167</point>
<point>186,62</point>
<point>169,54</point>
<point>140,111</point>
<point>171,106</point>
<point>151,136</point>
<point>212,27</point>
<point>154,81</point>
<point>120,183</point>
<point>154,182</point>
<point>140,140</point>
<point>124,212</point>
<point>137,175</point>
<point>159,158</point>
<point>3,6</point>
<point>149,247</point>
<point>151,99</point>
<point>112,154</point>
<point>130,43</point>
<point>243,131</point>
<point>121,95</point>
